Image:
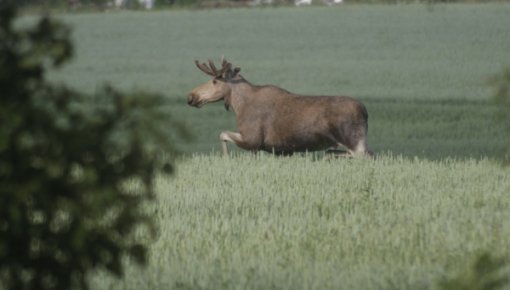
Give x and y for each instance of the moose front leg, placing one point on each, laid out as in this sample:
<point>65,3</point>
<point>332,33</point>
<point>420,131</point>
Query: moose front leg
<point>230,137</point>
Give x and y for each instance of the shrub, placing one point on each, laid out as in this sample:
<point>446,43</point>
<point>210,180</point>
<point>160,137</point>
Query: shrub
<point>75,170</point>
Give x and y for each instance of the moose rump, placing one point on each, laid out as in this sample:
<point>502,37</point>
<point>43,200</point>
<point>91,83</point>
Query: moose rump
<point>272,119</point>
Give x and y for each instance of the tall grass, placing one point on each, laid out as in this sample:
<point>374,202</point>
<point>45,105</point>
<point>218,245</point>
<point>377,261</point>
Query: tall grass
<point>262,222</point>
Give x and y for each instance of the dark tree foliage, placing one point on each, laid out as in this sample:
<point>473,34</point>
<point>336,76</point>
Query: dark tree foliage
<point>76,171</point>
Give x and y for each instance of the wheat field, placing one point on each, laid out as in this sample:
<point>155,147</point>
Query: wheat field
<point>308,222</point>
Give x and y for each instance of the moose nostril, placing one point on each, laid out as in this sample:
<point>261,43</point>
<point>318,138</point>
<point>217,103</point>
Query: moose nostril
<point>191,97</point>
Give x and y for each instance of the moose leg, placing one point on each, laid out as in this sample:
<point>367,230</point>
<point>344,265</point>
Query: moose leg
<point>361,149</point>
<point>227,136</point>
<point>338,151</point>
<point>358,150</point>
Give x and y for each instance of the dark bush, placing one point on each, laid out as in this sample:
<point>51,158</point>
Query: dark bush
<point>76,171</point>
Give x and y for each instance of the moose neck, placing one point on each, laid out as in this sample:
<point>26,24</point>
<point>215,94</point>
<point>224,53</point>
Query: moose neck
<point>240,92</point>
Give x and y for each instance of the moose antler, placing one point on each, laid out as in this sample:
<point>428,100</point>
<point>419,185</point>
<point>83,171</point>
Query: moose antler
<point>203,67</point>
<point>212,70</point>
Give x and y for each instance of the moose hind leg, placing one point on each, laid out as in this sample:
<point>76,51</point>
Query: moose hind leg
<point>227,136</point>
<point>339,150</point>
<point>355,140</point>
<point>361,149</point>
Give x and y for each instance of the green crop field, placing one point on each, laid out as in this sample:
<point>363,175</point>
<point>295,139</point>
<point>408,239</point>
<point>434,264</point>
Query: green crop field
<point>434,198</point>
<point>258,222</point>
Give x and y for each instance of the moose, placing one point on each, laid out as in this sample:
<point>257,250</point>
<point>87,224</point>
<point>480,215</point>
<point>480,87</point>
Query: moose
<point>272,119</point>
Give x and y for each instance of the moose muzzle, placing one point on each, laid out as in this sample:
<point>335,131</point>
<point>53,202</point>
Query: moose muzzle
<point>192,99</point>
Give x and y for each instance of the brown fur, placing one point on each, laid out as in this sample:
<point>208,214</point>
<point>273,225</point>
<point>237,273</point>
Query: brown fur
<point>272,119</point>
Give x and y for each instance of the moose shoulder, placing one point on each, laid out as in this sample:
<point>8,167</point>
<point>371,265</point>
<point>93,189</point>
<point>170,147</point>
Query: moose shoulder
<point>275,120</point>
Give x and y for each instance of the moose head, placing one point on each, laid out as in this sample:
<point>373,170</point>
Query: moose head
<point>218,87</point>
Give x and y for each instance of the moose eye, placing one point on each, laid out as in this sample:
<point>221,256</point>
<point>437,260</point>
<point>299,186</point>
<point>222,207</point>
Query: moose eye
<point>214,81</point>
